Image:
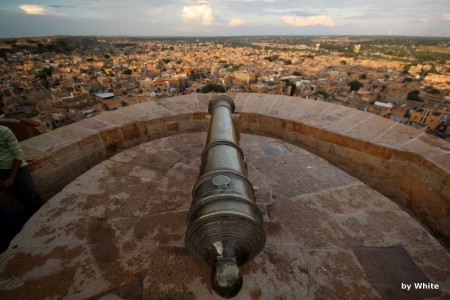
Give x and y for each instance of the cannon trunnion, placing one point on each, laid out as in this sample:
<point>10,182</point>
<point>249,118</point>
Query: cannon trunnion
<point>225,226</point>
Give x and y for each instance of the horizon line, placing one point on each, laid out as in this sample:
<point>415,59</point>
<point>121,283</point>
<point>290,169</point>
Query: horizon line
<point>226,36</point>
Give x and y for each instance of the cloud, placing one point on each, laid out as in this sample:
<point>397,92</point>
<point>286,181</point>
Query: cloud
<point>59,6</point>
<point>236,22</point>
<point>308,21</point>
<point>446,17</point>
<point>33,9</point>
<point>198,13</point>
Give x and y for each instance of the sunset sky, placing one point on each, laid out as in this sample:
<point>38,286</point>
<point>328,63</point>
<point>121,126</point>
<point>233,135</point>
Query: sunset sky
<point>224,18</point>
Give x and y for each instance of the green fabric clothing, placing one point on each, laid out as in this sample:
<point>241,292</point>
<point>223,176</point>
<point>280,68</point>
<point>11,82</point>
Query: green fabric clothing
<point>9,149</point>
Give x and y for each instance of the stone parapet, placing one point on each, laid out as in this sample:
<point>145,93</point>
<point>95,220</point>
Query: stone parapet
<point>409,166</point>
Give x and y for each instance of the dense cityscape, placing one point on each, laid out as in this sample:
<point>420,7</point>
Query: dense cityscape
<point>59,80</point>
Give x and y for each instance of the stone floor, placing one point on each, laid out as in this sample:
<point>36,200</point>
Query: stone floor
<point>117,232</point>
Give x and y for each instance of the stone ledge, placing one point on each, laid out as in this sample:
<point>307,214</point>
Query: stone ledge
<point>407,165</point>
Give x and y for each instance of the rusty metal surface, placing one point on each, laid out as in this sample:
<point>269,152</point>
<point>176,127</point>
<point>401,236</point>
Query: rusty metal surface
<point>225,226</point>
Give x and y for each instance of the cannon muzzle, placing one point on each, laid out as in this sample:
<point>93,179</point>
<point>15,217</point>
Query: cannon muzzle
<point>225,226</point>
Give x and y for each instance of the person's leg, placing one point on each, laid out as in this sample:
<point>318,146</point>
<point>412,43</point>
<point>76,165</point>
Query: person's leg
<point>4,174</point>
<point>10,225</point>
<point>25,190</point>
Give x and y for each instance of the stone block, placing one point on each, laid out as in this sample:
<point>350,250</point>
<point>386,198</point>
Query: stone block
<point>71,132</point>
<point>112,139</point>
<point>349,166</point>
<point>154,128</point>
<point>426,202</point>
<point>191,126</point>
<point>272,126</point>
<point>114,118</point>
<point>447,181</point>
<point>135,132</point>
<point>35,158</point>
<point>135,112</point>
<point>91,144</point>
<point>155,109</point>
<point>46,143</point>
<point>290,106</point>
<point>301,108</point>
<point>329,118</point>
<point>203,101</point>
<point>421,148</point>
<point>311,114</point>
<point>440,161</point>
<point>178,118</point>
<point>341,140</point>
<point>397,136</point>
<point>250,123</point>
<point>267,103</point>
<point>370,128</point>
<point>377,150</point>
<point>338,275</point>
<point>199,116</point>
<point>351,119</point>
<point>254,103</point>
<point>423,174</point>
<point>435,142</point>
<point>240,101</point>
<point>69,153</point>
<point>94,124</point>
<point>52,179</point>
<point>291,132</point>
<point>172,128</point>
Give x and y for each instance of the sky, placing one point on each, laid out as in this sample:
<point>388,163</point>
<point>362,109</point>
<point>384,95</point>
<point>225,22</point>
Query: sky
<point>224,18</point>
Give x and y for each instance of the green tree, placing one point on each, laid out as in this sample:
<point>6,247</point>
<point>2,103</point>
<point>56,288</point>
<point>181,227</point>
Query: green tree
<point>43,74</point>
<point>272,58</point>
<point>414,95</point>
<point>212,87</point>
<point>433,71</point>
<point>127,72</point>
<point>292,84</point>
<point>323,93</point>
<point>355,85</point>
<point>196,74</point>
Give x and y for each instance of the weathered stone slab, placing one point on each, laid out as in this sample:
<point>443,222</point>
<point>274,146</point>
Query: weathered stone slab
<point>117,231</point>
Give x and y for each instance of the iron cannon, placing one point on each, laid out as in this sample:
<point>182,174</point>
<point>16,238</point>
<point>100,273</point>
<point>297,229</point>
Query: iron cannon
<point>225,226</point>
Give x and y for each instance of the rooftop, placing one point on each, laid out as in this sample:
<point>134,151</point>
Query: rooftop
<point>116,231</point>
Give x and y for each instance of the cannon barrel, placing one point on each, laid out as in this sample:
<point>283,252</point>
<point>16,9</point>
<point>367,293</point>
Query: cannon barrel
<point>225,226</point>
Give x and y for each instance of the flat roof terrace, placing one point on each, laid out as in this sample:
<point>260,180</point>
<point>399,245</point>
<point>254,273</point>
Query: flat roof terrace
<point>117,232</point>
<point>118,188</point>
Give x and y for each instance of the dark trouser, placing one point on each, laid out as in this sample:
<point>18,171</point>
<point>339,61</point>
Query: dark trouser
<point>10,225</point>
<point>24,188</point>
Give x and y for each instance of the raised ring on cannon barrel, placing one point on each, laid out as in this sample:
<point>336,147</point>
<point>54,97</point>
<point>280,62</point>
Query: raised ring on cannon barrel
<point>225,226</point>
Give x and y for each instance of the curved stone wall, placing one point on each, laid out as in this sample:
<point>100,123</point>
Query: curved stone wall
<point>407,165</point>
